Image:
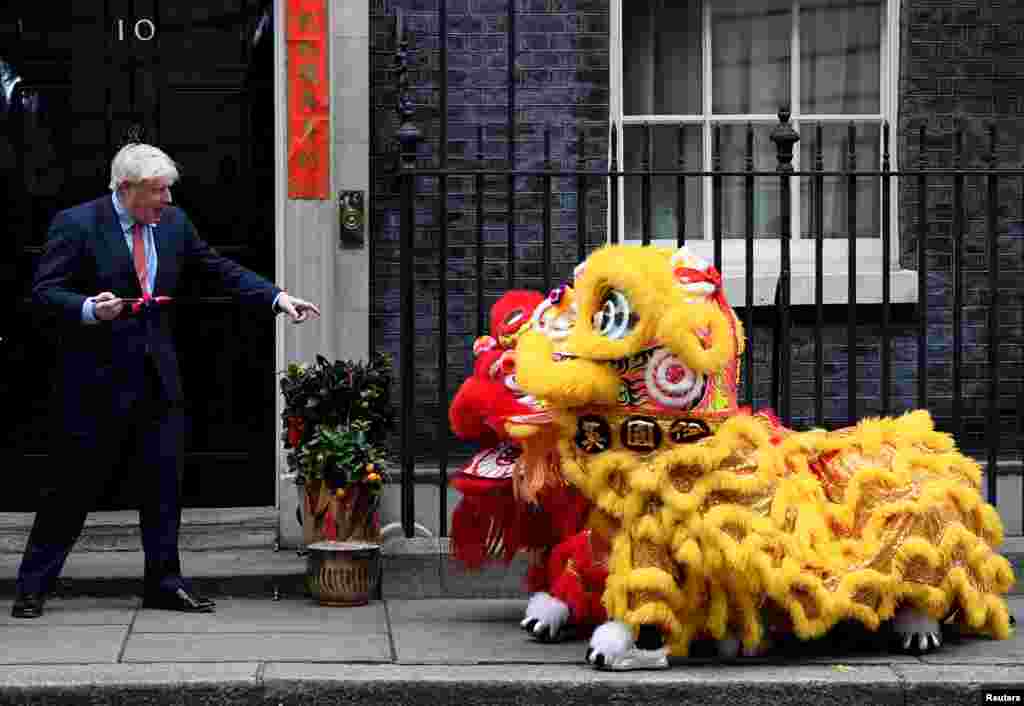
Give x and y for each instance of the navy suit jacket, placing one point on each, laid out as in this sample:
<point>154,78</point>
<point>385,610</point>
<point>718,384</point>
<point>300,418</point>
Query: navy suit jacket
<point>85,254</point>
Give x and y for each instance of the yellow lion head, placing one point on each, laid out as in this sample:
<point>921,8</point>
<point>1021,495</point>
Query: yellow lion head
<point>646,328</point>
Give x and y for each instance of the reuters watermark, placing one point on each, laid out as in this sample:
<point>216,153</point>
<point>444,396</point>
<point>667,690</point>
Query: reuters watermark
<point>1002,696</point>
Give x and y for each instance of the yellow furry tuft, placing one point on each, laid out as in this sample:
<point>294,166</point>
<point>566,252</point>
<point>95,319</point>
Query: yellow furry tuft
<point>568,383</point>
<point>678,329</point>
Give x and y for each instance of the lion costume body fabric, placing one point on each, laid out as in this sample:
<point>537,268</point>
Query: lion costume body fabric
<point>728,525</point>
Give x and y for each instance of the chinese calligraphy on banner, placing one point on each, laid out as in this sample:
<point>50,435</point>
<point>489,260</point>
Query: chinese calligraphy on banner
<point>308,106</point>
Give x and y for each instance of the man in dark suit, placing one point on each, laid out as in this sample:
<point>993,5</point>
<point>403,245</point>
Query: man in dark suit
<point>117,371</point>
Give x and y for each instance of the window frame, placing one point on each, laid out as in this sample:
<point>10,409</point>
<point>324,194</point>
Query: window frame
<point>766,257</point>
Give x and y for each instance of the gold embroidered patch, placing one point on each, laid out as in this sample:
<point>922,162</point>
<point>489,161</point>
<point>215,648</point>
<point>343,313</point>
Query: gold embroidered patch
<point>641,434</point>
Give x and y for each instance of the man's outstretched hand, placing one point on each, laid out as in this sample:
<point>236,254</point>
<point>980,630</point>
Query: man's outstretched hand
<point>299,309</point>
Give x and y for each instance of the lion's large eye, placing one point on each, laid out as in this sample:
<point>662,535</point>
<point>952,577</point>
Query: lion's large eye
<point>614,319</point>
<point>514,317</point>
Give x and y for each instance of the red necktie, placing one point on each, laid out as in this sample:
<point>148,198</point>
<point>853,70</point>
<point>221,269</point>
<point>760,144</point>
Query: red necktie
<point>139,254</point>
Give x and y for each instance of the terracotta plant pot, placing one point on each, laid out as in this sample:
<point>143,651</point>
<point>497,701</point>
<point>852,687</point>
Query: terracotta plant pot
<point>343,573</point>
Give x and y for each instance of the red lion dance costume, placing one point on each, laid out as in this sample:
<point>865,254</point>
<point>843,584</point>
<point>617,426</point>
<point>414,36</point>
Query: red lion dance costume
<point>503,510</point>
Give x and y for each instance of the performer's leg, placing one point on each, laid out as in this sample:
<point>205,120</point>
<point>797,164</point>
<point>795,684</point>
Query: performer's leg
<point>648,554</point>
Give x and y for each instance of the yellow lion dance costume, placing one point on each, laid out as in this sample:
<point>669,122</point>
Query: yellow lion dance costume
<point>726,525</point>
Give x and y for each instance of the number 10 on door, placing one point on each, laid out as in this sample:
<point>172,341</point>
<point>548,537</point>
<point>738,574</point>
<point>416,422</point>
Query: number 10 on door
<point>143,30</point>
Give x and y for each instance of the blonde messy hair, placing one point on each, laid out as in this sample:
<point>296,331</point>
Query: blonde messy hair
<point>136,162</point>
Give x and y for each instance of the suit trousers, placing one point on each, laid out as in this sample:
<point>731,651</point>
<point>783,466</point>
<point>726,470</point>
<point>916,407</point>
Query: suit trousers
<point>147,432</point>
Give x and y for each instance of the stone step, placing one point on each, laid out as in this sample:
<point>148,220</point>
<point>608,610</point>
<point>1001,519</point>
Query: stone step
<point>412,569</point>
<point>233,551</point>
<point>203,529</point>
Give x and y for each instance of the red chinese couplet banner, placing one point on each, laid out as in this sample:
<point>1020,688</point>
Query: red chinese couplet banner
<point>308,100</point>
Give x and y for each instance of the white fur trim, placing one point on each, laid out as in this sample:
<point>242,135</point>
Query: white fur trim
<point>577,271</point>
<point>693,291</point>
<point>557,324</point>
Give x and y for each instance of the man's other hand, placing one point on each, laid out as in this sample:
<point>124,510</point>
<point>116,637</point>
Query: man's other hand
<point>298,309</point>
<point>107,306</point>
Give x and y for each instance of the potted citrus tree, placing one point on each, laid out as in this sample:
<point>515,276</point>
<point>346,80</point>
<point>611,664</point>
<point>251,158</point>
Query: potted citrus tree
<point>335,423</point>
<point>343,477</point>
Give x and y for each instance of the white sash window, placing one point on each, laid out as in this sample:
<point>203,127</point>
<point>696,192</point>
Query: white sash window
<point>732,62</point>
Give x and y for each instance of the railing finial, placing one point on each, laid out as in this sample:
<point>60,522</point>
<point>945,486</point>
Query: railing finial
<point>784,137</point>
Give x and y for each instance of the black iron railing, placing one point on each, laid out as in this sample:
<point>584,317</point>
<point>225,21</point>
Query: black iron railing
<point>911,183</point>
<point>609,179</point>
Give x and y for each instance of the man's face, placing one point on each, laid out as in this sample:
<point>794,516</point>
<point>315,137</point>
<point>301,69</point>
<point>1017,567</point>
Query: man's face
<point>147,199</point>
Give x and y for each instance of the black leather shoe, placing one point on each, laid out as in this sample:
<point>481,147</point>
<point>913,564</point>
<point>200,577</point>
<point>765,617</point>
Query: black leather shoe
<point>198,597</point>
<point>205,600</point>
<point>27,605</point>
<point>180,600</point>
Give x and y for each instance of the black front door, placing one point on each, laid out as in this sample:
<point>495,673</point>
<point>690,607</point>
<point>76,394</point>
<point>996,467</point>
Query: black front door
<point>77,77</point>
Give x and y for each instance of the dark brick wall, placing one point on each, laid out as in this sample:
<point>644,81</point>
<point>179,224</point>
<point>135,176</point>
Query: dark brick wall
<point>561,85</point>
<point>962,67</point>
<point>959,66</point>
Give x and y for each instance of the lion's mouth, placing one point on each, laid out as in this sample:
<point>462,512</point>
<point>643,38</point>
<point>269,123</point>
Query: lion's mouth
<point>625,363</point>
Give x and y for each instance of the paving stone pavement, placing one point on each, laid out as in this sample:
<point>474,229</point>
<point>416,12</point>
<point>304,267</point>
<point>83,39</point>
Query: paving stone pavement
<point>291,651</point>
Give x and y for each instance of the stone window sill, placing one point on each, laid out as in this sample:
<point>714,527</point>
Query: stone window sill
<point>835,272</point>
